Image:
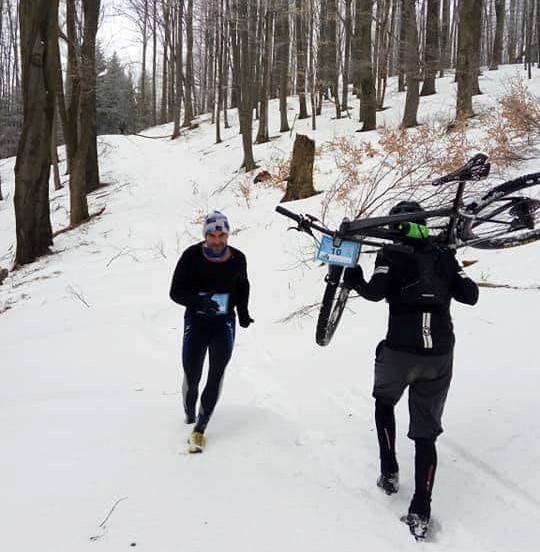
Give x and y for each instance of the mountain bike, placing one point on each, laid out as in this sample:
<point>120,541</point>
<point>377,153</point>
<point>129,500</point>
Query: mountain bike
<point>503,217</point>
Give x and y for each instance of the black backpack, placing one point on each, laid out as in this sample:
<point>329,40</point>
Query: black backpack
<point>430,284</point>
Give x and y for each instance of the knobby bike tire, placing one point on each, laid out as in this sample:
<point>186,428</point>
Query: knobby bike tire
<point>332,306</point>
<point>471,230</point>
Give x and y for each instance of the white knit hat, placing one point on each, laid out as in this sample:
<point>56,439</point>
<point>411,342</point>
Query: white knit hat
<point>216,221</point>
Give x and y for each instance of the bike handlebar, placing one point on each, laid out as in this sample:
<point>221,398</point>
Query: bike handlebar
<point>282,211</point>
<point>305,224</point>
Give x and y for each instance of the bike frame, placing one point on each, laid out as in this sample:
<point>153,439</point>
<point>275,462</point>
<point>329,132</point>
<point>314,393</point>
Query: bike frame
<point>358,230</point>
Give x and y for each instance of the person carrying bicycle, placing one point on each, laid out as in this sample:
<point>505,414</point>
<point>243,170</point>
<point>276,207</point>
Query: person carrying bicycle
<point>210,280</point>
<point>416,353</point>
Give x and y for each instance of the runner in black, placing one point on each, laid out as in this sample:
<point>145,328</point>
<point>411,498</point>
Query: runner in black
<point>211,281</point>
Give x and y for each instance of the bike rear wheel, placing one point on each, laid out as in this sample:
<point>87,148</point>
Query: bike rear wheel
<point>505,217</point>
<point>332,306</point>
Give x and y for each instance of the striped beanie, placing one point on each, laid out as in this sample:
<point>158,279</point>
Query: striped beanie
<point>216,222</point>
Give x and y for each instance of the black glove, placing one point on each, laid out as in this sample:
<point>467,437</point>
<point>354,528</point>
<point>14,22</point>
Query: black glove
<point>245,320</point>
<point>206,304</point>
<point>353,276</point>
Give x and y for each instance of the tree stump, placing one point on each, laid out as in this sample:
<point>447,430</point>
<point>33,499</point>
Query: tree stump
<point>300,179</point>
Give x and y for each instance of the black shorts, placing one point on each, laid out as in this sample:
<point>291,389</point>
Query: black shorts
<point>428,378</point>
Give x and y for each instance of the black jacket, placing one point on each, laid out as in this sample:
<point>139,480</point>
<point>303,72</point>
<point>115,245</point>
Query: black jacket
<point>417,328</point>
<point>195,274</point>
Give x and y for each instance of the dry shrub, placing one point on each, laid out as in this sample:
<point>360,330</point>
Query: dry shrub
<point>244,191</point>
<point>278,166</point>
<point>513,127</point>
<point>400,167</point>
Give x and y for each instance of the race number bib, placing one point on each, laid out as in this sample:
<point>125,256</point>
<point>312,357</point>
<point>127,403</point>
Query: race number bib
<point>344,255</point>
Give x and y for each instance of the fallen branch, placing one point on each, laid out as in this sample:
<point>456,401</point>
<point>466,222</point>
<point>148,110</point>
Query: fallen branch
<point>102,524</point>
<point>78,294</point>
<point>151,137</point>
<point>124,251</point>
<point>506,286</point>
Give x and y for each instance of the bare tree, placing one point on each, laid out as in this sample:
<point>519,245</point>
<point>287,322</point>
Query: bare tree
<point>445,37</point>
<point>333,54</point>
<point>282,60</point>
<point>465,70</point>
<point>38,28</point>
<point>431,50</point>
<point>411,65</point>
<point>347,60</point>
<point>78,176</point>
<point>242,39</point>
<point>368,100</point>
<point>154,62</point>
<point>496,55</point>
<point>262,133</point>
<point>188,84</point>
<point>386,31</point>
<point>402,50</point>
<point>301,56</point>
<point>178,22</point>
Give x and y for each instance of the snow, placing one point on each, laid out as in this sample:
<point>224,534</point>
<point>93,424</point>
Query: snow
<point>90,405</point>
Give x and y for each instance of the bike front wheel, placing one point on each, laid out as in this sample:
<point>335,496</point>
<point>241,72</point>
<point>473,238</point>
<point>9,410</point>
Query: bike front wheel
<point>332,306</point>
<point>505,217</point>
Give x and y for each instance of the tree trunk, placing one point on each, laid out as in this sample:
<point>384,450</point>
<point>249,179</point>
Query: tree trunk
<point>496,55</point>
<point>384,51</point>
<point>262,133</point>
<point>465,60</point>
<point>154,63</point>
<point>411,65</point>
<point>529,42</point>
<point>282,54</point>
<point>323,49</point>
<point>73,77</point>
<point>78,177</point>
<point>312,76</point>
<point>188,85</point>
<point>333,53</point>
<point>163,117</point>
<point>477,45</point>
<point>402,47</point>
<point>347,60</point>
<point>355,49</point>
<point>225,77</point>
<point>242,38</point>
<point>368,99</point>
<point>511,47</point>
<point>61,100</point>
<point>300,180</point>
<point>538,33</point>
<point>431,54</point>
<point>445,38</point>
<point>38,27</point>
<point>54,156</point>
<point>219,73</point>
<point>177,96</point>
<point>301,56</point>
<point>92,167</point>
<point>142,96</point>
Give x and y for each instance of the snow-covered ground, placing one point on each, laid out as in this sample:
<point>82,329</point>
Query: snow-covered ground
<point>90,406</point>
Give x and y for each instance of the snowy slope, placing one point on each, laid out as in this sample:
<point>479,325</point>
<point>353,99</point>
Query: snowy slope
<point>90,407</point>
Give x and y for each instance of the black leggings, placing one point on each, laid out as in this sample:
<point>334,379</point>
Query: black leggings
<point>202,333</point>
<point>425,458</point>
